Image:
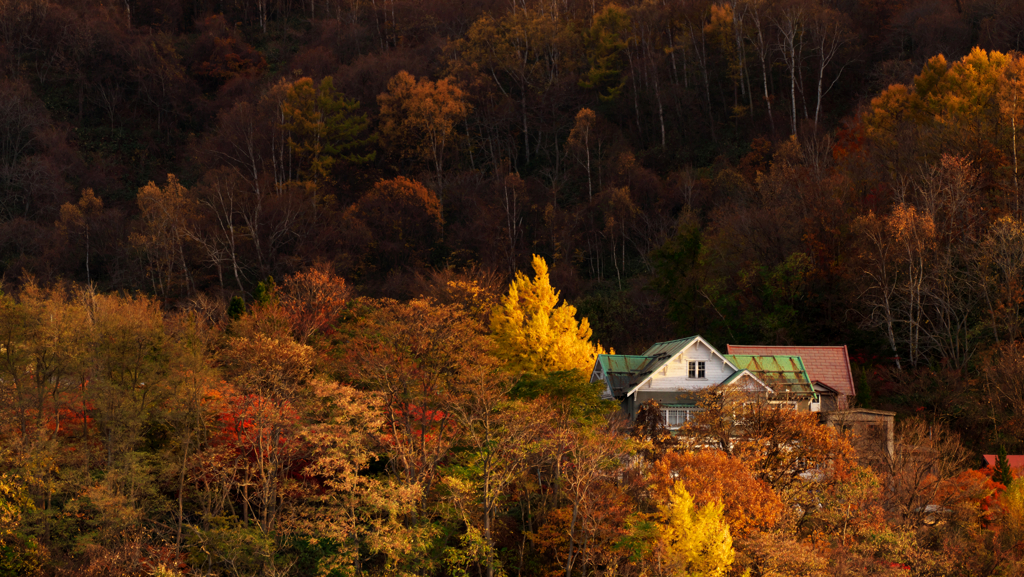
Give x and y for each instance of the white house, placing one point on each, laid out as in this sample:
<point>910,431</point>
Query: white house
<point>673,373</point>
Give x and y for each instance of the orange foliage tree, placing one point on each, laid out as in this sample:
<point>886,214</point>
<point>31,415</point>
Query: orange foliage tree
<point>790,451</point>
<point>419,117</point>
<point>313,299</point>
<point>715,476</point>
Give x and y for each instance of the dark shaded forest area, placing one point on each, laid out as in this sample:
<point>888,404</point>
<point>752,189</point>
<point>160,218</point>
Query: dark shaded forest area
<point>804,172</point>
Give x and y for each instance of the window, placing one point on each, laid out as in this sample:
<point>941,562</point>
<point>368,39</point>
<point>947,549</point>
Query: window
<point>675,417</point>
<point>696,370</point>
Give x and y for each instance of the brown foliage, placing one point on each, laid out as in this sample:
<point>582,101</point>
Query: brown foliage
<point>404,220</point>
<point>220,54</point>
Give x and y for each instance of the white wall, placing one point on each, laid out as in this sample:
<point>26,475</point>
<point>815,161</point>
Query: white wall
<point>674,375</point>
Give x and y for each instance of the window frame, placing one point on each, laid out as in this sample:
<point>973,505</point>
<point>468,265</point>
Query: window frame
<point>697,370</point>
<point>676,417</point>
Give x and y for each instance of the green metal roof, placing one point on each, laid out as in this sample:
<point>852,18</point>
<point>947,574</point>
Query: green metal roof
<point>621,363</point>
<point>781,373</point>
<point>668,348</point>
<point>622,372</point>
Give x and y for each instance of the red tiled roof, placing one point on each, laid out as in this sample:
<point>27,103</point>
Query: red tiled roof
<point>829,365</point>
<point>1016,461</point>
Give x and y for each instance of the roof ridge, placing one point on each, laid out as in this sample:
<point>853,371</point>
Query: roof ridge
<point>690,338</point>
<point>787,346</point>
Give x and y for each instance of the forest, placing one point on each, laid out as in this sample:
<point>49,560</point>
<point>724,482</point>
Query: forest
<point>300,287</point>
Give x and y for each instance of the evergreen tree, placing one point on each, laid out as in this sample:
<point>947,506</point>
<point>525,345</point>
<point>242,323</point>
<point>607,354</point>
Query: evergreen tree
<point>607,40</point>
<point>1002,473</point>
<point>236,308</point>
<point>324,126</point>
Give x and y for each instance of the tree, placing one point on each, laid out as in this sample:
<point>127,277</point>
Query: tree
<point>712,476</point>
<point>422,358</point>
<point>44,335</point>
<point>791,452</point>
<point>926,457</point>
<point>323,127</point>
<point>1002,473</point>
<point>781,555</point>
<point>897,251</point>
<point>128,370</point>
<point>496,434</point>
<point>580,142</point>
<point>521,59</point>
<point>361,514</point>
<point>1011,513</point>
<point>404,221</point>
<point>19,553</point>
<point>313,299</point>
<point>220,54</point>
<point>22,119</point>
<point>166,214</point>
<point>535,334</point>
<point>607,41</point>
<point>591,458</point>
<point>789,21</point>
<point>757,34</point>
<point>827,31</point>
<point>419,118</point>
<point>950,108</point>
<point>999,270</point>
<point>694,541</point>
<point>1011,105</point>
<point>78,219</point>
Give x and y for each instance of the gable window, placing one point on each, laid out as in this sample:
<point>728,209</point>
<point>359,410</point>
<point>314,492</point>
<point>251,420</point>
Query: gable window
<point>696,370</point>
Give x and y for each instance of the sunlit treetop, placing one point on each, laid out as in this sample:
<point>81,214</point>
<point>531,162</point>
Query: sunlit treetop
<point>535,334</point>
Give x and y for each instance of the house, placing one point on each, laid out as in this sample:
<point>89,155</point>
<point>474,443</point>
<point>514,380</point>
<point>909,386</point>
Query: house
<point>805,379</point>
<point>828,367</point>
<point>871,432</point>
<point>674,373</point>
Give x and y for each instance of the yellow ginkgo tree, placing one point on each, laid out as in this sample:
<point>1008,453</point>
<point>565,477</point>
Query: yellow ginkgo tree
<point>537,335</point>
<point>694,541</point>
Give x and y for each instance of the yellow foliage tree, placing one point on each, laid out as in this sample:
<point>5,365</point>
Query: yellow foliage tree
<point>969,107</point>
<point>1011,513</point>
<point>535,334</point>
<point>694,542</point>
<point>748,504</point>
<point>11,505</point>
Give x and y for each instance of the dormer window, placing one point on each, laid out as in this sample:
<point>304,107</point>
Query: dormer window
<point>696,370</point>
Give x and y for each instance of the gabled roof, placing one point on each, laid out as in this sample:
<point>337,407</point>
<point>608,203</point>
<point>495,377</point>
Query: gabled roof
<point>780,372</point>
<point>625,373</point>
<point>619,371</point>
<point>740,373</point>
<point>823,389</point>
<point>1016,461</point>
<point>830,365</point>
<point>670,348</point>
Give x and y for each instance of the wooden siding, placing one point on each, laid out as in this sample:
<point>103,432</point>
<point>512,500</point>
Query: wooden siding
<point>674,375</point>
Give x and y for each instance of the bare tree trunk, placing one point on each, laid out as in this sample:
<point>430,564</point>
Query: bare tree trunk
<point>702,59</point>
